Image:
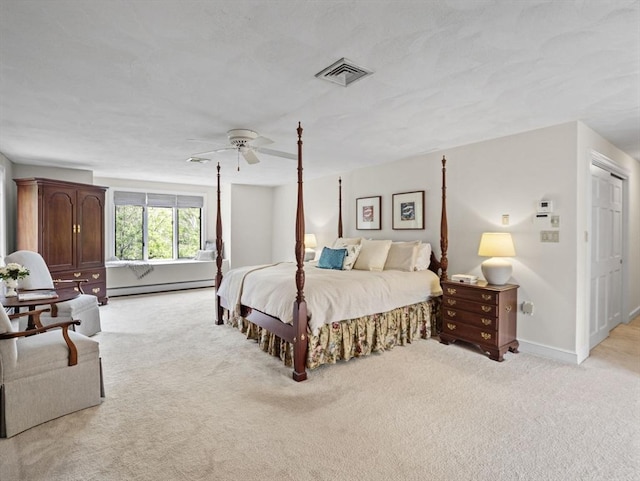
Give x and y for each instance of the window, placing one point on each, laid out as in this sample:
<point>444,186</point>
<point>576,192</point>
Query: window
<point>3,218</point>
<point>157,226</point>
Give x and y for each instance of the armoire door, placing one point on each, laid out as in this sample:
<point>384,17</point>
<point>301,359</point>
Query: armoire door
<point>90,229</point>
<point>58,238</point>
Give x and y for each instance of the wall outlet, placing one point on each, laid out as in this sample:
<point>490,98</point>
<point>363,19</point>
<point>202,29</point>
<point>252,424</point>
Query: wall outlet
<point>527,307</point>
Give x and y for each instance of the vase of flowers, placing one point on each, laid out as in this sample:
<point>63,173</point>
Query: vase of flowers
<point>10,275</point>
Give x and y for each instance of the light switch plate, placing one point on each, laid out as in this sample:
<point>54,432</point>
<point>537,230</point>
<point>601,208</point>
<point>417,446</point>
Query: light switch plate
<point>549,236</point>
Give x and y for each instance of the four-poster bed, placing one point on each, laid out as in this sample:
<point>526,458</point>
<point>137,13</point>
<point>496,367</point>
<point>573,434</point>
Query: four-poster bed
<point>305,344</point>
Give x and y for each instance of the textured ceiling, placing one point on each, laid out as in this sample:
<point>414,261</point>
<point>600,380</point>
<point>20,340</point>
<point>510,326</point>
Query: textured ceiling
<point>122,87</point>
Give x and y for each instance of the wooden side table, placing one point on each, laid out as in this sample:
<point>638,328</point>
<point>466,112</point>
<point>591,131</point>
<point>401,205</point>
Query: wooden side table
<point>481,314</point>
<point>64,295</point>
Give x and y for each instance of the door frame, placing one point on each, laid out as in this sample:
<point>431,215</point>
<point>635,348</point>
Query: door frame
<point>605,163</point>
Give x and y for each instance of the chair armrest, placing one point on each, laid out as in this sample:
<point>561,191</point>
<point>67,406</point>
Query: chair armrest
<point>77,282</point>
<point>73,350</point>
<point>34,313</point>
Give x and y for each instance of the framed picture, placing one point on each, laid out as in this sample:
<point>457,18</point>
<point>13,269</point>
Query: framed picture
<point>408,210</point>
<point>368,213</point>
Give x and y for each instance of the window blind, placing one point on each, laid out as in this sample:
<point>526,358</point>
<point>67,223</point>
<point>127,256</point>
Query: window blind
<point>157,200</point>
<point>129,198</point>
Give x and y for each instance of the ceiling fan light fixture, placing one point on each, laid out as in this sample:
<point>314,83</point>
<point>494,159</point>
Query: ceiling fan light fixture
<point>343,72</point>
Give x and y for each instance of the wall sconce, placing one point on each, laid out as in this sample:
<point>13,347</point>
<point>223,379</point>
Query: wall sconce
<point>497,246</point>
<point>310,244</point>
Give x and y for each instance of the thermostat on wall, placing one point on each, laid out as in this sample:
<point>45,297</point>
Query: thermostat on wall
<point>545,206</point>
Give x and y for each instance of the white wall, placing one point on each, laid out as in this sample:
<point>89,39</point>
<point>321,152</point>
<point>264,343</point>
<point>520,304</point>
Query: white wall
<point>7,204</point>
<point>485,180</point>
<point>250,226</point>
<point>23,171</point>
<point>589,142</point>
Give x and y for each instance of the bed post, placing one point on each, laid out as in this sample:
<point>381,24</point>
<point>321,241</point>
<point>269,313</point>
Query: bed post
<point>300,317</point>
<point>219,308</point>
<point>444,233</point>
<point>339,207</point>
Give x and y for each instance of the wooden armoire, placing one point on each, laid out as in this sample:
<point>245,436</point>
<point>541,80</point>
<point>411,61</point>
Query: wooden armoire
<point>64,222</point>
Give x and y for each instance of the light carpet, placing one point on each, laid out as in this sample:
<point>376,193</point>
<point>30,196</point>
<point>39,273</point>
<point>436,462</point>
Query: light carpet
<point>188,400</point>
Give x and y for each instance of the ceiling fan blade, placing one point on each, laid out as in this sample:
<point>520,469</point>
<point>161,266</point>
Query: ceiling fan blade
<point>250,156</point>
<point>276,153</point>
<point>260,141</point>
<point>213,151</point>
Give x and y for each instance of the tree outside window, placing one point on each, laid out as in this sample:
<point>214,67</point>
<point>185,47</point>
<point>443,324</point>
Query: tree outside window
<point>157,226</point>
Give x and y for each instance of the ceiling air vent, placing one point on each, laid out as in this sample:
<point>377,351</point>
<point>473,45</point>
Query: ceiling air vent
<point>343,72</point>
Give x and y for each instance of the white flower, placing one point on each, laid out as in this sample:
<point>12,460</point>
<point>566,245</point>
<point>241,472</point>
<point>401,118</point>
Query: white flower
<point>13,271</point>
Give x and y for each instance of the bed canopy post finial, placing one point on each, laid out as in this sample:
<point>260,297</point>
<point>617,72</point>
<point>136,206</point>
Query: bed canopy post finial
<point>219,308</point>
<point>444,230</point>
<point>339,206</point>
<point>300,317</point>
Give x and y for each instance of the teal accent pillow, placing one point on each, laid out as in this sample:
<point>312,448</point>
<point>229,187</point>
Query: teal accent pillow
<point>331,258</point>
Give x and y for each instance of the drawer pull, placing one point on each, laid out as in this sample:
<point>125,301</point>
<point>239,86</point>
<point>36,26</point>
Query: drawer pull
<point>508,308</point>
<point>95,290</point>
<point>486,308</point>
<point>485,335</point>
<point>451,290</point>
<point>451,327</point>
<point>77,274</point>
<point>451,302</point>
<point>95,276</point>
<point>451,313</point>
<point>486,321</point>
<point>487,297</point>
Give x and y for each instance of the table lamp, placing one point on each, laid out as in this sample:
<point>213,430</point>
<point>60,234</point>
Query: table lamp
<point>497,246</point>
<point>310,244</point>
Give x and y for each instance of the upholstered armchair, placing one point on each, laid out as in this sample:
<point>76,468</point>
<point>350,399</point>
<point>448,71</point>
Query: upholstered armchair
<point>84,307</point>
<point>45,373</point>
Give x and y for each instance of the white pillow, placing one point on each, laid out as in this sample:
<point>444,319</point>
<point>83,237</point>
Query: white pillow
<point>346,241</point>
<point>352,255</point>
<point>373,255</point>
<point>402,256</point>
<point>423,257</point>
<point>205,256</point>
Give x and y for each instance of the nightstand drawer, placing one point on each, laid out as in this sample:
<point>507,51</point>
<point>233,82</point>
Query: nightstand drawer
<point>485,309</point>
<point>485,322</point>
<point>461,291</point>
<point>470,333</point>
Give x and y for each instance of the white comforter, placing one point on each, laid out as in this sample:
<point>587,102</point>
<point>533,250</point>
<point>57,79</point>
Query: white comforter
<point>331,295</point>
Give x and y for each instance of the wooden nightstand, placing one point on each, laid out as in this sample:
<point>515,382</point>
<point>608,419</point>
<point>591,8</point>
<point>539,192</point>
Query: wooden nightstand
<point>481,314</point>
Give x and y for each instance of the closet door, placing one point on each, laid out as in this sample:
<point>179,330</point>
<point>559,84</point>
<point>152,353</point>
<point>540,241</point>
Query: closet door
<point>58,227</point>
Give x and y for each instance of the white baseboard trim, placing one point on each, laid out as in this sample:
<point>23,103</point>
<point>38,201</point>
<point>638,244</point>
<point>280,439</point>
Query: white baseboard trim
<point>550,352</point>
<point>635,313</point>
<point>148,289</point>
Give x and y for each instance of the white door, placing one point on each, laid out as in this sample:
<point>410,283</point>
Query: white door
<point>606,254</point>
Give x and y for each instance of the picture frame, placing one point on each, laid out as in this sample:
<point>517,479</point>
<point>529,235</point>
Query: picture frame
<point>408,210</point>
<point>368,213</point>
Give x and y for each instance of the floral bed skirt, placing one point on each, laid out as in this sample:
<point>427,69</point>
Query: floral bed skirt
<point>354,337</point>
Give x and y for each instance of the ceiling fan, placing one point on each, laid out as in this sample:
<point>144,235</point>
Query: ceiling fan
<point>246,143</point>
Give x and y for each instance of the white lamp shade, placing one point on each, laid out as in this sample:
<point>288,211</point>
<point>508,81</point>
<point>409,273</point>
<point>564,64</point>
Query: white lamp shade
<point>310,243</point>
<point>496,245</point>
